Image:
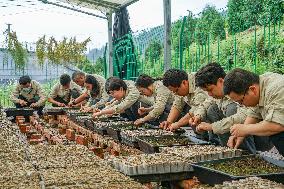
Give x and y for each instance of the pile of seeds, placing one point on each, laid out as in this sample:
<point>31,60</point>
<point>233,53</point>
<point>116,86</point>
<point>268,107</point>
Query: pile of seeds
<point>75,165</point>
<point>15,167</point>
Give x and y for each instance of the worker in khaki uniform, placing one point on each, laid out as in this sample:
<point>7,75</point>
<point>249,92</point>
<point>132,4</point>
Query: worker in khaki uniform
<point>265,95</point>
<point>94,90</point>
<point>220,112</point>
<point>28,93</point>
<point>125,101</point>
<point>183,86</point>
<point>64,91</point>
<point>162,100</point>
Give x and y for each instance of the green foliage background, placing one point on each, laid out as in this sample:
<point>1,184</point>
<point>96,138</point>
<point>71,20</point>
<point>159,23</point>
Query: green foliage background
<point>249,34</point>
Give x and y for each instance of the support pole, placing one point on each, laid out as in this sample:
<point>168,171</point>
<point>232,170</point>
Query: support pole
<point>181,43</point>
<point>167,34</point>
<point>110,45</point>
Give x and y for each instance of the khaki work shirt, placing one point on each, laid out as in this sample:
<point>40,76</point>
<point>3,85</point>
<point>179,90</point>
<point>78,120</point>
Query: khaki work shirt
<point>59,91</point>
<point>271,101</point>
<point>132,95</point>
<point>222,126</point>
<point>162,96</point>
<point>35,90</point>
<point>195,97</point>
<point>103,97</point>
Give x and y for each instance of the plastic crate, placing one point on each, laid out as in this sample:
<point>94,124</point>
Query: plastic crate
<point>19,112</point>
<point>147,146</point>
<point>211,176</point>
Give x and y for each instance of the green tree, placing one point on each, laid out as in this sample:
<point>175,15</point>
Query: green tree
<point>153,51</point>
<point>18,52</point>
<point>211,23</point>
<point>235,16</point>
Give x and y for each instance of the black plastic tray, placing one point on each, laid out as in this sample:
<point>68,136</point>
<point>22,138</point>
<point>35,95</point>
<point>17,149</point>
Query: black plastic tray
<point>89,124</point>
<point>163,177</point>
<point>100,130</point>
<point>74,115</point>
<point>109,119</point>
<point>59,110</point>
<point>211,176</point>
<point>114,131</point>
<point>54,111</point>
<point>19,112</point>
<point>147,147</point>
<point>130,142</point>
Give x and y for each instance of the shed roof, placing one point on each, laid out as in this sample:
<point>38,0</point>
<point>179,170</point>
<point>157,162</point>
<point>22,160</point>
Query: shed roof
<point>101,5</point>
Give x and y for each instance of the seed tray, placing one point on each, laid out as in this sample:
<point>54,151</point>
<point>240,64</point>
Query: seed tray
<point>99,128</point>
<point>111,118</point>
<point>19,112</point>
<point>212,176</point>
<point>74,115</point>
<point>162,177</point>
<point>54,111</point>
<point>129,142</point>
<point>152,144</point>
<point>150,164</point>
<point>60,110</point>
<point>80,119</point>
<point>115,130</point>
<point>89,124</point>
<point>132,135</point>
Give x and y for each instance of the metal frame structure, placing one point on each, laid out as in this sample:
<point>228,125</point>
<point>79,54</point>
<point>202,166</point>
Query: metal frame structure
<point>108,7</point>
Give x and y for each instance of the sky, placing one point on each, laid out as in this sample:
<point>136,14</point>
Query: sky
<point>32,19</point>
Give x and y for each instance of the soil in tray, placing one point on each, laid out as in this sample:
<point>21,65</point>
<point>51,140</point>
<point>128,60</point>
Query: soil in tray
<point>246,166</point>
<point>159,141</point>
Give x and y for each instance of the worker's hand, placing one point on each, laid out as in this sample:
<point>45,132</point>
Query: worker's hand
<point>139,122</point>
<point>173,127</point>
<point>142,111</point>
<point>86,109</point>
<point>165,124</point>
<point>96,110</point>
<point>97,114</point>
<point>235,142</point>
<point>23,103</point>
<point>61,104</point>
<point>204,127</point>
<point>239,130</point>
<point>194,120</point>
<point>33,105</point>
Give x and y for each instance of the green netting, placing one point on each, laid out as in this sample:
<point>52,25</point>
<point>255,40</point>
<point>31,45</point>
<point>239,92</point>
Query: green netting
<point>125,64</point>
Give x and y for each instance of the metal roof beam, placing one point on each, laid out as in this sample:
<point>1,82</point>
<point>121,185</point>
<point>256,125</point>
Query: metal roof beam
<point>100,3</point>
<point>73,9</point>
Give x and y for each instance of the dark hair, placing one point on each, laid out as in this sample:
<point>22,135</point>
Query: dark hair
<point>65,79</point>
<point>95,84</point>
<point>174,77</point>
<point>76,74</point>
<point>209,75</point>
<point>115,84</point>
<point>239,80</point>
<point>108,82</point>
<point>144,81</point>
<point>25,80</point>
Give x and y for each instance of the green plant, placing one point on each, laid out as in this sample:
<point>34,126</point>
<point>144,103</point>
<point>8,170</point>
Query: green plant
<point>61,52</point>
<point>17,51</point>
<point>40,50</point>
